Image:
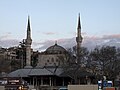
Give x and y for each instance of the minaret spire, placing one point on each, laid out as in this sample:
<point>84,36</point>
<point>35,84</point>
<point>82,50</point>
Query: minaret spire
<point>28,45</point>
<point>28,29</point>
<point>78,40</point>
<point>56,42</point>
<point>79,24</point>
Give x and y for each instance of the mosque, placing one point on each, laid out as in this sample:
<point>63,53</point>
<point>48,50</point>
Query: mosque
<point>48,71</point>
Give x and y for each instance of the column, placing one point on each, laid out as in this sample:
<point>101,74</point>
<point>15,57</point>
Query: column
<point>63,82</point>
<point>33,81</point>
<point>50,81</point>
<point>41,81</point>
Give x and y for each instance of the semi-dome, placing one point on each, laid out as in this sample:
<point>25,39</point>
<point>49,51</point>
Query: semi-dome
<point>55,49</point>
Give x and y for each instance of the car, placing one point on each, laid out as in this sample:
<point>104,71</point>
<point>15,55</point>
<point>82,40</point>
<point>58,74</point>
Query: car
<point>63,88</point>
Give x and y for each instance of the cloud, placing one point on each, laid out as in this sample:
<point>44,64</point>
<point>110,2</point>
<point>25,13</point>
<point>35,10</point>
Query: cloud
<point>6,36</point>
<point>89,41</point>
<point>44,45</point>
<point>111,36</point>
<point>64,42</point>
<point>75,33</point>
<point>6,40</point>
<point>104,37</point>
<point>49,33</point>
<point>9,43</point>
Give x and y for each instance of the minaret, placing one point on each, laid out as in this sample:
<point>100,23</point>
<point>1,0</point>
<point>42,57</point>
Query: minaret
<point>28,43</point>
<point>79,41</point>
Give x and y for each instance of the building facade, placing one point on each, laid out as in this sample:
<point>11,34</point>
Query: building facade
<point>53,56</point>
<point>48,70</point>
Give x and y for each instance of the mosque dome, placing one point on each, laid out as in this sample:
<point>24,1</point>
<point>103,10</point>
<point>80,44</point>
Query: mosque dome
<point>55,49</point>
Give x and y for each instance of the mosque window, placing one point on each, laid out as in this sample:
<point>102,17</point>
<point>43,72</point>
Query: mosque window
<point>56,60</point>
<point>45,64</point>
<point>52,60</point>
<point>47,60</point>
<point>55,64</point>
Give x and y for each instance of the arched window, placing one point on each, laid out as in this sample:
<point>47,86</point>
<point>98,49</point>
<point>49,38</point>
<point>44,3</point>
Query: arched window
<point>47,60</point>
<point>52,59</point>
<point>56,60</point>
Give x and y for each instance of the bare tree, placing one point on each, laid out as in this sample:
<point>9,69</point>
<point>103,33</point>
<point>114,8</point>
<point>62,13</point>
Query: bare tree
<point>73,69</point>
<point>105,61</point>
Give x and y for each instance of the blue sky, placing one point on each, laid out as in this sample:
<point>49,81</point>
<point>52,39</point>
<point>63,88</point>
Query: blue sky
<point>57,19</point>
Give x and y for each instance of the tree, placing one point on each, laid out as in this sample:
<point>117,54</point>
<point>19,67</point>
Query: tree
<point>21,53</point>
<point>4,61</point>
<point>105,61</point>
<point>34,58</point>
<point>73,69</point>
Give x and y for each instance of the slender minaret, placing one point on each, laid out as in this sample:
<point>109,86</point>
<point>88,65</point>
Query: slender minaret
<point>28,43</point>
<point>78,40</point>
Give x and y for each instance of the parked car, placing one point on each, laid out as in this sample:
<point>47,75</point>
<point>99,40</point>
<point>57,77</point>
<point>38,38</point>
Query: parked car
<point>63,88</point>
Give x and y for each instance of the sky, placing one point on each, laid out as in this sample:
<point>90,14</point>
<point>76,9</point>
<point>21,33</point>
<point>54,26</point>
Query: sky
<point>53,20</point>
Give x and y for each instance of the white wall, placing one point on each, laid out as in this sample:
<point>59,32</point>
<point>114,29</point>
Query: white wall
<point>82,87</point>
<point>2,87</point>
